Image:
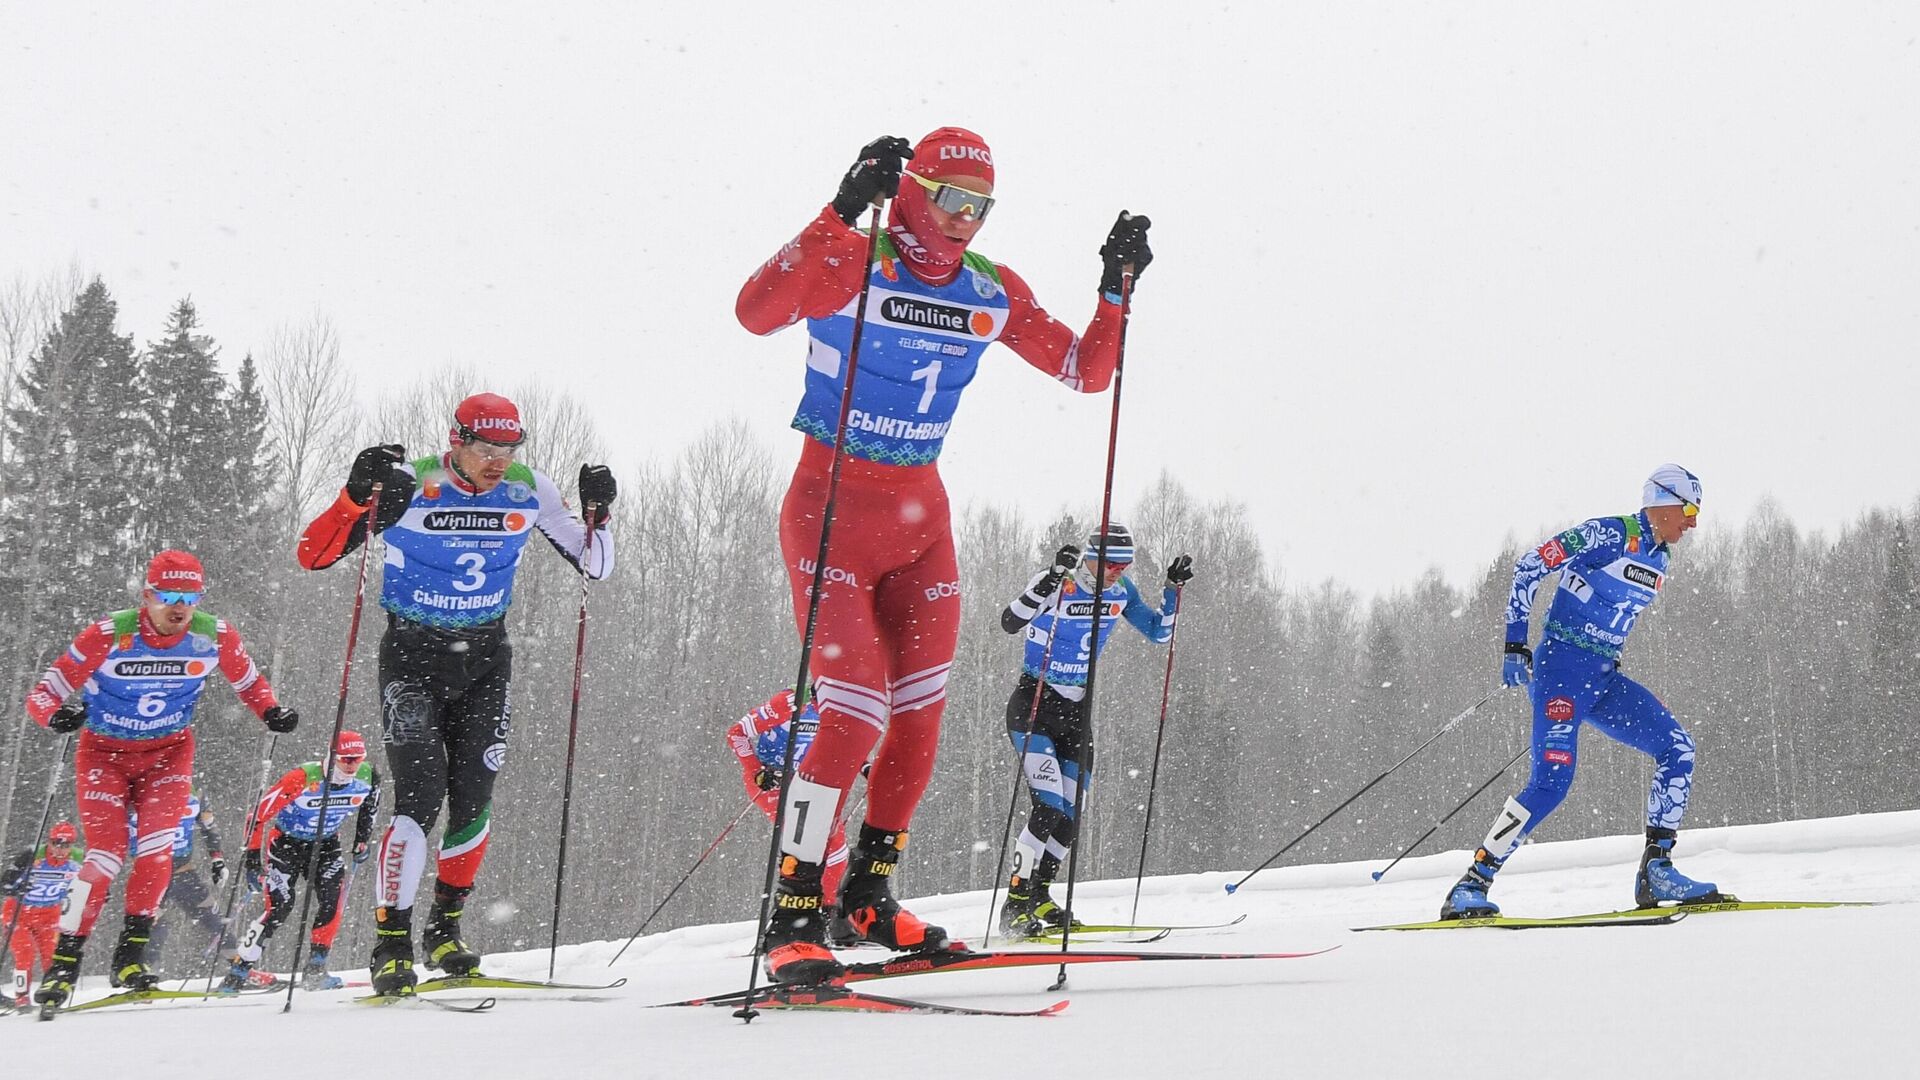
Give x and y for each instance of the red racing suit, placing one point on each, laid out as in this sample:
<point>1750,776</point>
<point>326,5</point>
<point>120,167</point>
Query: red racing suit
<point>890,609</point>
<point>152,776</point>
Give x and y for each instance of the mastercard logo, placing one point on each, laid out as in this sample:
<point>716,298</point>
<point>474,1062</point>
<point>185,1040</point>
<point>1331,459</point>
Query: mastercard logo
<point>196,668</point>
<point>888,271</point>
<point>981,324</point>
<point>431,489</point>
<point>516,522</point>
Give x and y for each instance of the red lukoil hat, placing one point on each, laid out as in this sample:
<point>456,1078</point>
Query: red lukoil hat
<point>489,418</point>
<point>176,571</point>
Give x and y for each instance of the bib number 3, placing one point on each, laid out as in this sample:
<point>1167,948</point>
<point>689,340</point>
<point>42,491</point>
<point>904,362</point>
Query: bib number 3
<point>474,579</point>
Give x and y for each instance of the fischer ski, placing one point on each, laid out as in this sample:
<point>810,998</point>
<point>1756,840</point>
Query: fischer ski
<point>1730,903</point>
<point>489,982</point>
<point>1569,922</point>
<point>1158,930</point>
<point>1101,935</point>
<point>830,997</point>
<point>49,1010</point>
<point>409,997</point>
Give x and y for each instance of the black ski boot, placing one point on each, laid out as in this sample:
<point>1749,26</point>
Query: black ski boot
<point>868,902</point>
<point>840,932</point>
<point>392,963</point>
<point>56,983</point>
<point>796,941</point>
<point>445,950</point>
<point>1020,915</point>
<point>130,969</point>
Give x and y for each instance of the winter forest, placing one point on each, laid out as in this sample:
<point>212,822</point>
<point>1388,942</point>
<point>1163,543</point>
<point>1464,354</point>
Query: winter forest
<point>1791,656</point>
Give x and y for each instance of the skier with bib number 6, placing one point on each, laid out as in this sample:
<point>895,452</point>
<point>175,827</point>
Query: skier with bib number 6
<point>131,681</point>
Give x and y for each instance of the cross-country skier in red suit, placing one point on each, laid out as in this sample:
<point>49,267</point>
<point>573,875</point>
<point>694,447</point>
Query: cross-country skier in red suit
<point>132,681</point>
<point>890,606</point>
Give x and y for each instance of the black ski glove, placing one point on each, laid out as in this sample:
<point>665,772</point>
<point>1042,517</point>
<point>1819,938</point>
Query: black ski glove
<point>360,852</point>
<point>1127,243</point>
<point>281,720</point>
<point>250,862</point>
<point>371,467</point>
<point>767,779</point>
<point>216,869</point>
<point>875,175</point>
<point>69,717</point>
<point>1180,571</point>
<point>1065,560</point>
<point>597,489</point>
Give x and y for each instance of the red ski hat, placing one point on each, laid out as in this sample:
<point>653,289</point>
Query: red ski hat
<point>488,418</point>
<point>176,571</point>
<point>952,151</point>
<point>349,747</point>
<point>62,832</point>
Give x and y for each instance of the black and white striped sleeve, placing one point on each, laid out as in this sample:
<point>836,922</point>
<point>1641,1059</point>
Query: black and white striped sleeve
<point>1024,607</point>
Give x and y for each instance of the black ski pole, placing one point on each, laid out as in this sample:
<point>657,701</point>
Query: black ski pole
<point>1159,733</point>
<point>233,890</point>
<point>1020,756</point>
<point>671,893</point>
<point>46,815</point>
<point>802,688</point>
<point>326,768</point>
<point>1444,728</point>
<point>573,736</point>
<point>1408,850</point>
<point>1093,652</point>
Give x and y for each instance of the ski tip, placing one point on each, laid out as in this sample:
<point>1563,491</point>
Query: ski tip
<point>1056,1008</point>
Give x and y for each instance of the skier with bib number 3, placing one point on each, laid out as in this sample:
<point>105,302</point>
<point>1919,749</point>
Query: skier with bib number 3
<point>1610,569</point>
<point>456,524</point>
<point>889,611</point>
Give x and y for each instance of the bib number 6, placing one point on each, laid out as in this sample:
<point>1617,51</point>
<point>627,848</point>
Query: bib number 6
<point>152,704</point>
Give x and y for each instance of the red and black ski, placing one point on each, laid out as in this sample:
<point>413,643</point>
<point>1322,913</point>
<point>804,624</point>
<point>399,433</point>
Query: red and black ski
<point>921,963</point>
<point>829,998</point>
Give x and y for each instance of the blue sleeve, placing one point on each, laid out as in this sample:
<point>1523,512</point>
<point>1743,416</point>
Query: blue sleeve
<point>1536,563</point>
<point>1155,626</point>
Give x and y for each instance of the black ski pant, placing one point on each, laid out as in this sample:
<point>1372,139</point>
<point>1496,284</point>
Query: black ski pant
<point>445,718</point>
<point>187,891</point>
<point>1056,760</point>
<point>287,858</point>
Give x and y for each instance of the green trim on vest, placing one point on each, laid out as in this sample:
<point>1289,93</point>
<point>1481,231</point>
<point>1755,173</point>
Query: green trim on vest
<point>979,264</point>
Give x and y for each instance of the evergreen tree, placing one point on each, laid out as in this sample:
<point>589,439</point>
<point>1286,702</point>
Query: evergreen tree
<point>80,457</point>
<point>183,421</point>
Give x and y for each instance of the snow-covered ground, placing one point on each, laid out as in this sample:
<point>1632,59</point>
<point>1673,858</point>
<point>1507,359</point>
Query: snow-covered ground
<point>1811,993</point>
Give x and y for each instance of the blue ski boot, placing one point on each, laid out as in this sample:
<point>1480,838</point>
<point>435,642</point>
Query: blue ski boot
<point>316,976</point>
<point>237,977</point>
<point>1659,883</point>
<point>1468,900</point>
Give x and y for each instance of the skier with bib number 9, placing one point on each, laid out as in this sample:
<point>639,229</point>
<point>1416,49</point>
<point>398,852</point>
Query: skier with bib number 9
<point>131,681</point>
<point>889,612</point>
<point>1057,614</point>
<point>455,524</point>
<point>1611,569</point>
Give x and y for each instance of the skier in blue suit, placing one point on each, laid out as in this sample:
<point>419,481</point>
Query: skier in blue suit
<point>1610,569</point>
<point>1052,738</point>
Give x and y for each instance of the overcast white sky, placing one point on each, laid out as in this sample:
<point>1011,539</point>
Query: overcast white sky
<point>1426,274</point>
